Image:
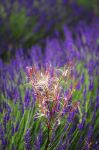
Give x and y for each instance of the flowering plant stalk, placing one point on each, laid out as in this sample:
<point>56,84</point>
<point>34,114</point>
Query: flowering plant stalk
<point>51,98</point>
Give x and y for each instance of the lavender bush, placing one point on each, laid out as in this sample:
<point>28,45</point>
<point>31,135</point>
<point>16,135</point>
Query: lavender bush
<point>49,106</point>
<point>29,22</point>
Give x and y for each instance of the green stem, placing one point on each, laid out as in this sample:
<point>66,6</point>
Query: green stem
<point>48,139</point>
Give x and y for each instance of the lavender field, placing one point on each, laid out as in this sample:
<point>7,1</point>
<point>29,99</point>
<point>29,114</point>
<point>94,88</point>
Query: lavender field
<point>49,75</point>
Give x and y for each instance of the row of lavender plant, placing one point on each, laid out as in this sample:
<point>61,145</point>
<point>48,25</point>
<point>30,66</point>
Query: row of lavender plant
<point>52,107</point>
<point>27,22</point>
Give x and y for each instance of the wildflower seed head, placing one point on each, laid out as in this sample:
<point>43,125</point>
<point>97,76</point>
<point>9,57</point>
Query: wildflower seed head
<point>48,90</point>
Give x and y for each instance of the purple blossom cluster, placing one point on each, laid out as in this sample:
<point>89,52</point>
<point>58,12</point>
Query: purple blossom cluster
<point>28,22</point>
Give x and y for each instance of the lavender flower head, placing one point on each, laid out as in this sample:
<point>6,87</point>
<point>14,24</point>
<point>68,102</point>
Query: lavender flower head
<point>27,140</point>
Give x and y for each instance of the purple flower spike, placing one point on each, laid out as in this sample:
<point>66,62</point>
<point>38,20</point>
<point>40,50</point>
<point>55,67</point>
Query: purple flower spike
<point>88,144</point>
<point>71,116</point>
<point>91,85</point>
<point>27,140</point>
<point>1,132</point>
<point>6,118</point>
<point>83,79</point>
<point>4,144</point>
<point>27,99</point>
<point>81,125</point>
